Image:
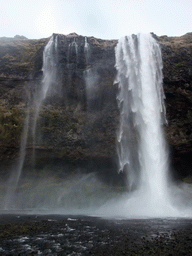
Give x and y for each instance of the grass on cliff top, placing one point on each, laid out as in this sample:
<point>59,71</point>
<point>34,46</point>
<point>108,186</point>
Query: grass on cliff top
<point>11,123</point>
<point>18,53</point>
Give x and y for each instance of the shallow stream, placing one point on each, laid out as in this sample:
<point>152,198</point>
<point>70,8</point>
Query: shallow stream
<point>84,235</point>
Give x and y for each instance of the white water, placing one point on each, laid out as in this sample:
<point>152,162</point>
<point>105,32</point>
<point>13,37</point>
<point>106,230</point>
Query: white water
<point>49,69</point>
<point>73,46</point>
<point>141,145</point>
<point>49,76</point>
<point>86,50</point>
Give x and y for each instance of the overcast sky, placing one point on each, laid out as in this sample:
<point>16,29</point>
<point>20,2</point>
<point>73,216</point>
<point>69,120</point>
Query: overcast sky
<point>107,19</point>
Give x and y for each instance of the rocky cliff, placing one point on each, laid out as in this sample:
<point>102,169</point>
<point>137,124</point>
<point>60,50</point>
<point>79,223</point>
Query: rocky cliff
<point>177,70</point>
<point>79,118</point>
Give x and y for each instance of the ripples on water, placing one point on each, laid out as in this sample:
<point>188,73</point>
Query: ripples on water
<point>81,235</point>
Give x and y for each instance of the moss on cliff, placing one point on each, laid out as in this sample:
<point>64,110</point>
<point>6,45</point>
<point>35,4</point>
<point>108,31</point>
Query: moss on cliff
<point>17,56</point>
<point>11,124</point>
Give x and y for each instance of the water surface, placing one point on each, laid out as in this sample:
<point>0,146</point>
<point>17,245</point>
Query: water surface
<point>84,235</point>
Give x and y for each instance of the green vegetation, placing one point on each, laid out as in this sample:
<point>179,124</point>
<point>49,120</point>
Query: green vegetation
<point>19,57</point>
<point>179,64</point>
<point>11,124</point>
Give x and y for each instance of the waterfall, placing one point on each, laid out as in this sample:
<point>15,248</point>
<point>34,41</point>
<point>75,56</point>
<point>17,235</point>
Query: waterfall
<point>86,50</point>
<point>73,52</point>
<point>49,77</point>
<point>141,145</point>
<point>50,56</point>
<point>15,177</point>
<point>74,44</point>
<point>91,80</point>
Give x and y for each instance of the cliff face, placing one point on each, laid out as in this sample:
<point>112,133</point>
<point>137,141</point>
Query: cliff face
<point>177,70</point>
<point>79,118</point>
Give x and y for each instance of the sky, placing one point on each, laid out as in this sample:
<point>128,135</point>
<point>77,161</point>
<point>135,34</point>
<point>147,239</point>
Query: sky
<point>106,19</point>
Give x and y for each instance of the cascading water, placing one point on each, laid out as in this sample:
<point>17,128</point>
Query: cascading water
<point>91,78</point>
<point>14,179</point>
<point>74,44</point>
<point>49,69</point>
<point>140,98</point>
<point>49,72</point>
<point>73,48</point>
<point>141,145</point>
<point>86,50</point>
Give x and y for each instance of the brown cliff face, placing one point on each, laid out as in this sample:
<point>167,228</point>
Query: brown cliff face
<point>78,125</point>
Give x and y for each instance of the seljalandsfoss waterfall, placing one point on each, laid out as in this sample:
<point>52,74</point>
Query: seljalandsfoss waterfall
<point>141,146</point>
<point>93,135</point>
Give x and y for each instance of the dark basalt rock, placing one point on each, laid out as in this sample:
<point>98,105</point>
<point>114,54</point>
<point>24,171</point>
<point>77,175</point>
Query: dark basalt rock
<point>177,70</point>
<point>78,128</point>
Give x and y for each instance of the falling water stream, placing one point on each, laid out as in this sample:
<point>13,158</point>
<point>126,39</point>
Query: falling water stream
<point>141,146</point>
<point>86,50</point>
<point>49,77</point>
<point>14,178</point>
<point>140,98</point>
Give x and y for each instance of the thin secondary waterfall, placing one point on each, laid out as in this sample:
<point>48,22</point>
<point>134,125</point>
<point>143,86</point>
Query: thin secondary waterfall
<point>49,77</point>
<point>49,69</point>
<point>91,79</point>
<point>14,179</point>
<point>141,146</point>
<point>86,50</point>
<point>73,52</point>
